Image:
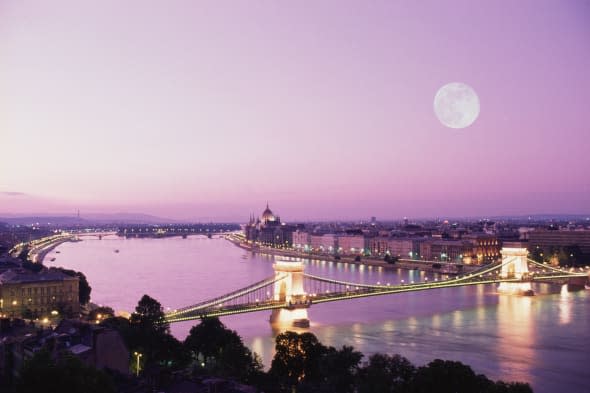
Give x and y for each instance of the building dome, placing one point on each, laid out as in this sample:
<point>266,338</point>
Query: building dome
<point>267,215</point>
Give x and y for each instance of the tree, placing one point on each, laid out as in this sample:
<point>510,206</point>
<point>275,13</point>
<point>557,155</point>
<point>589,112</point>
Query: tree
<point>390,259</point>
<point>221,350</point>
<point>123,326</point>
<point>297,358</point>
<point>385,373</point>
<point>574,255</point>
<point>338,370</point>
<point>511,387</point>
<point>149,329</point>
<point>206,338</point>
<point>537,254</point>
<point>42,374</point>
<point>24,255</point>
<point>149,316</point>
<point>101,313</point>
<point>171,353</point>
<point>445,376</point>
<point>31,266</point>
<point>84,289</point>
<point>148,333</point>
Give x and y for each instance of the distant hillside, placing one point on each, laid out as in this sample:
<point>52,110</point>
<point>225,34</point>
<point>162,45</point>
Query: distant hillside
<point>89,219</point>
<point>129,218</point>
<point>44,220</point>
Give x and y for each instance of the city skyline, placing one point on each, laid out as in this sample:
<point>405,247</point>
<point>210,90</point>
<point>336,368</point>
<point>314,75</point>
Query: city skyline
<point>203,110</point>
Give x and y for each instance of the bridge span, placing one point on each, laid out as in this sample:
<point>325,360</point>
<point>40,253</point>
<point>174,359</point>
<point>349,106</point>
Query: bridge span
<point>290,291</point>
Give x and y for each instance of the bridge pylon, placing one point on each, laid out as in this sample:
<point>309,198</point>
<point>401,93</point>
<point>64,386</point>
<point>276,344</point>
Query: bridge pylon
<point>289,289</point>
<point>515,265</point>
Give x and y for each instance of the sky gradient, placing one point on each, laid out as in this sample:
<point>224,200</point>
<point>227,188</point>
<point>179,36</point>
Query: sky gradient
<point>206,110</point>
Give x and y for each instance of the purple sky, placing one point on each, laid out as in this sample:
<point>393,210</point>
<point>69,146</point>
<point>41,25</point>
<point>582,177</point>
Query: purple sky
<point>206,110</point>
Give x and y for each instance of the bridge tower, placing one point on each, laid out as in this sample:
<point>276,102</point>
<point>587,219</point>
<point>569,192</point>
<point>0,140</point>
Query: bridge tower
<point>514,265</point>
<point>289,289</point>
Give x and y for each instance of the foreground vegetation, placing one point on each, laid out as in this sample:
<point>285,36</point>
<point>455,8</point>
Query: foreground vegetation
<point>301,363</point>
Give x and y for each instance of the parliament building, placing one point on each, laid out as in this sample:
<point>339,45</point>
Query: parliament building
<point>268,230</point>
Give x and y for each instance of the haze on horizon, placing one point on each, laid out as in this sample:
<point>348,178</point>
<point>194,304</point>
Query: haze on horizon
<point>192,110</point>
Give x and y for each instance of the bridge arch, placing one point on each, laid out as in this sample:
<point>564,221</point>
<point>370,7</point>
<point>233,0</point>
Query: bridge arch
<point>288,288</point>
<point>515,265</point>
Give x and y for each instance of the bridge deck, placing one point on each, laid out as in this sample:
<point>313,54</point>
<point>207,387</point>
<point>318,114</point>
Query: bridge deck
<point>355,291</point>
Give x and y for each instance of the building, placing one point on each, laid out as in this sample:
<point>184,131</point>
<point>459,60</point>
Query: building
<point>445,250</point>
<point>25,294</point>
<point>486,247</point>
<point>547,239</point>
<point>94,345</point>
<point>351,244</point>
<point>564,246</point>
<point>324,243</point>
<point>301,240</point>
<point>268,230</point>
<point>378,245</point>
<point>402,248</point>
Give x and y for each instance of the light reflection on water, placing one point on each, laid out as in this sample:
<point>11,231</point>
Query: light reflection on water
<point>542,339</point>
<point>516,336</point>
<point>565,306</point>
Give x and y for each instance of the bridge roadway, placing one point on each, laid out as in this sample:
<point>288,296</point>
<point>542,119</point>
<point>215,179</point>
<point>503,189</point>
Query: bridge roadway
<point>240,301</point>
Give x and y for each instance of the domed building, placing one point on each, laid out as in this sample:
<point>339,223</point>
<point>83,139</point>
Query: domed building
<point>267,215</point>
<point>268,230</point>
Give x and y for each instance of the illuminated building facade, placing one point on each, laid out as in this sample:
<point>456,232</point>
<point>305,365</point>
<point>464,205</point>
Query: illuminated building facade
<point>351,244</point>
<point>547,239</point>
<point>397,247</point>
<point>27,294</point>
<point>445,250</point>
<point>486,247</point>
<point>301,240</point>
<point>268,230</point>
<point>324,243</point>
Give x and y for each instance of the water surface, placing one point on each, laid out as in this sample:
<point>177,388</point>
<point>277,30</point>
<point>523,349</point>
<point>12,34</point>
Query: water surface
<point>543,340</point>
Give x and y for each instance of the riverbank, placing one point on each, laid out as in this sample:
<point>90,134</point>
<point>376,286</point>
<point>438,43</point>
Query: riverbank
<point>407,264</point>
<point>43,246</point>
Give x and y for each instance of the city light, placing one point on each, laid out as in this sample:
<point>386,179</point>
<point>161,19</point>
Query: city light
<point>137,356</point>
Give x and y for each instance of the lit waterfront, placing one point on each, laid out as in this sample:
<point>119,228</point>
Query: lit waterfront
<point>541,340</point>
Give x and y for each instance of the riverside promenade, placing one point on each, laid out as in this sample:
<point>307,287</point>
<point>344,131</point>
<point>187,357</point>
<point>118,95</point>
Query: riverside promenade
<point>407,264</point>
<point>39,248</point>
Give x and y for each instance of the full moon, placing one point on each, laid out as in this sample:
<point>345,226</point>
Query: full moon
<point>456,105</point>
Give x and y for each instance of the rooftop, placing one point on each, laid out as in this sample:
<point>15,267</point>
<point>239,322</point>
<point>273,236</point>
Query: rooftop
<point>17,276</point>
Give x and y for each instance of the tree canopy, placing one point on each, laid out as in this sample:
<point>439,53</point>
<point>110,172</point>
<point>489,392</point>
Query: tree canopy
<point>84,287</point>
<point>221,350</point>
<point>42,374</point>
<point>301,362</point>
<point>149,316</point>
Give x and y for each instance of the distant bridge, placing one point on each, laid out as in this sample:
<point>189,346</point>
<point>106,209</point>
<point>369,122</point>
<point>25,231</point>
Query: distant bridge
<point>176,230</point>
<point>290,291</point>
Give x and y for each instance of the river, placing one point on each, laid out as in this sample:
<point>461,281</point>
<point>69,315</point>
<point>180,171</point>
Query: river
<point>543,340</point>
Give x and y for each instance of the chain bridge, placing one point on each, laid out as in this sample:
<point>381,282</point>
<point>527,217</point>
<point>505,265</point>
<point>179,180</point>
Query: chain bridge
<point>290,291</point>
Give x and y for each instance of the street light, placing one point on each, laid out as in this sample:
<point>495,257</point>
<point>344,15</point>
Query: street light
<point>137,356</point>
